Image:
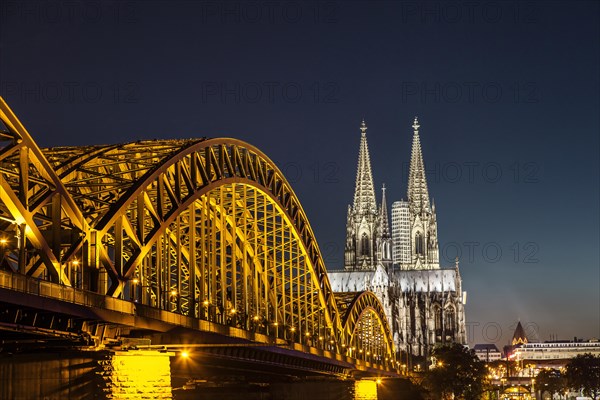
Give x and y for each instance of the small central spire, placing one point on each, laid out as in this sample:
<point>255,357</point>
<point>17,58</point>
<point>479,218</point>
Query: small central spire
<point>363,127</point>
<point>416,125</point>
<point>384,214</point>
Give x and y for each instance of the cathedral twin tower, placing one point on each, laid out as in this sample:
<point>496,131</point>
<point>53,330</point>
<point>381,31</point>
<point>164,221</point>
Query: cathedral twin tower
<point>412,243</point>
<point>424,302</point>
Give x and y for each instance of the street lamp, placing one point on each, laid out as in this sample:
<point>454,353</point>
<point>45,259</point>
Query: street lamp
<point>75,281</point>
<point>3,248</point>
<point>307,336</point>
<point>141,291</point>
<point>170,296</point>
<point>133,293</point>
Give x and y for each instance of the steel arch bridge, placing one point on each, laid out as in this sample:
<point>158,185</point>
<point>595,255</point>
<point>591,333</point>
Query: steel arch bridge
<point>209,229</point>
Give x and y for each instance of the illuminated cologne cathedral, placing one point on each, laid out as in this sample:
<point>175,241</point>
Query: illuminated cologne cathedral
<point>424,302</point>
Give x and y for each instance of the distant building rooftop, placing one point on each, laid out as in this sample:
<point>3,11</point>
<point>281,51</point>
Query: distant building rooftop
<point>519,337</point>
<point>556,350</point>
<point>487,352</point>
<point>485,347</point>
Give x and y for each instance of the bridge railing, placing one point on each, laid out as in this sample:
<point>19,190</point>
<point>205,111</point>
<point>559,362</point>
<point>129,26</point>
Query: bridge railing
<point>22,283</point>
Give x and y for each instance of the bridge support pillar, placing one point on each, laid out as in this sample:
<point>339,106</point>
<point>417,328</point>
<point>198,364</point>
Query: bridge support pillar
<point>138,374</point>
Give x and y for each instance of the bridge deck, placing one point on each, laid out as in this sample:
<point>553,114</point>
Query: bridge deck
<point>167,330</point>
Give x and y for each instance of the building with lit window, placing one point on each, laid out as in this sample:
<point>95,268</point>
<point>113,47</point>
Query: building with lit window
<point>487,352</point>
<point>558,350</point>
<point>401,233</point>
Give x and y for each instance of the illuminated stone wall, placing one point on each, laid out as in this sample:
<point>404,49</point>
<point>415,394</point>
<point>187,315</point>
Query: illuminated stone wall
<point>138,374</point>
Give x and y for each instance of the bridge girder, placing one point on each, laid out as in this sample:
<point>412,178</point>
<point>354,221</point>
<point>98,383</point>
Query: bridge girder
<point>366,325</point>
<point>208,228</point>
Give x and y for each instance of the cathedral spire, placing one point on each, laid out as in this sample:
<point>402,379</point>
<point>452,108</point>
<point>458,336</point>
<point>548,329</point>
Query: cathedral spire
<point>385,229</point>
<point>364,193</point>
<point>418,195</point>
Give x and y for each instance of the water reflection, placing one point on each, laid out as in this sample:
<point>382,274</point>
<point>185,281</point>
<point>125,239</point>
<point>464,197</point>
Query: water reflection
<point>139,374</point>
<point>313,390</point>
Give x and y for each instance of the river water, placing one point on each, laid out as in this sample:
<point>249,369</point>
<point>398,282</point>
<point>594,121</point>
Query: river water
<point>141,375</point>
<point>311,389</point>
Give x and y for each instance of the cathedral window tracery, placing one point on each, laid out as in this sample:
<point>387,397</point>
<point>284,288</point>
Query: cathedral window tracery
<point>364,245</point>
<point>449,319</point>
<point>419,244</point>
<point>437,318</point>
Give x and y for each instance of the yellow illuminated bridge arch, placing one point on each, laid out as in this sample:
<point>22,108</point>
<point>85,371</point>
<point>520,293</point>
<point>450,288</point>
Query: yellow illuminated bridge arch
<point>206,228</point>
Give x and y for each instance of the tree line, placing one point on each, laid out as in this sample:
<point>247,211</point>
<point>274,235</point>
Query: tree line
<point>459,374</point>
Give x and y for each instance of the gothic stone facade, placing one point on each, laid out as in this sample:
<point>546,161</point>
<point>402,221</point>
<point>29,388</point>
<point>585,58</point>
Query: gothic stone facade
<point>423,302</point>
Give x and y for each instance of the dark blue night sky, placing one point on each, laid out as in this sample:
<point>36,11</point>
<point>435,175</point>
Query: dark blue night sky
<point>507,94</point>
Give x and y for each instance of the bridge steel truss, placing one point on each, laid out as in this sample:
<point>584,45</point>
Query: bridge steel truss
<point>207,228</point>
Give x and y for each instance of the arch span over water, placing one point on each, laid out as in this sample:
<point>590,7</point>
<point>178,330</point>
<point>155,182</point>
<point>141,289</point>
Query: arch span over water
<point>207,228</point>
